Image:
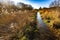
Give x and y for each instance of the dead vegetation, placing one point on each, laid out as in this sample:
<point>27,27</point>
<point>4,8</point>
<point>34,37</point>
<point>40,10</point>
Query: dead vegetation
<point>51,17</point>
<point>15,21</point>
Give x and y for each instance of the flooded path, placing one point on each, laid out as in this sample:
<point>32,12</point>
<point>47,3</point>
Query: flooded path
<point>40,21</point>
<point>43,29</point>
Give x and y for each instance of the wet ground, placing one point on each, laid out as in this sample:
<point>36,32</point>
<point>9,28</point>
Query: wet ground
<point>46,34</point>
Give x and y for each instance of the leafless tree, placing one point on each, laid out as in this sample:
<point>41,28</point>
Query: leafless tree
<point>24,6</point>
<point>55,3</point>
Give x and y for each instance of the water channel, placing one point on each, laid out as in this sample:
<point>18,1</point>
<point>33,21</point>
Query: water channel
<point>40,21</point>
<point>43,28</point>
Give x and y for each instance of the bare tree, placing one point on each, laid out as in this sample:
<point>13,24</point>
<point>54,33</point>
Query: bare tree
<point>24,6</point>
<point>55,3</point>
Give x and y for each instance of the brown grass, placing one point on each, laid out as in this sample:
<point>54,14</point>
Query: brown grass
<point>51,16</point>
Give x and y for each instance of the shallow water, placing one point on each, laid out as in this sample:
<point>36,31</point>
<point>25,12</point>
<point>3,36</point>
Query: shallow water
<point>40,21</point>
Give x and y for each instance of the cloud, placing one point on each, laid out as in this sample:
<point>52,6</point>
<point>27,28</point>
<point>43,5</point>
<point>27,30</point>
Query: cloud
<point>27,2</point>
<point>35,3</point>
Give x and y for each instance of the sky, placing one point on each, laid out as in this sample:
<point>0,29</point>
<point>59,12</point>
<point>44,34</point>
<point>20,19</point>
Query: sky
<point>35,3</point>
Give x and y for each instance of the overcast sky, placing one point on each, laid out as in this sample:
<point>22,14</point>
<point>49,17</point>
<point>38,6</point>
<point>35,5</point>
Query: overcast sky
<point>35,3</point>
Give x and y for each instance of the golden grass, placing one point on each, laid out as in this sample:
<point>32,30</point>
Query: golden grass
<point>53,16</point>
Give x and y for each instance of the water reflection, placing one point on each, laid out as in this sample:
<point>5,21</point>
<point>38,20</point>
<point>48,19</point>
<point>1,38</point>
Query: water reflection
<point>39,17</point>
<point>43,28</point>
<point>40,21</point>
